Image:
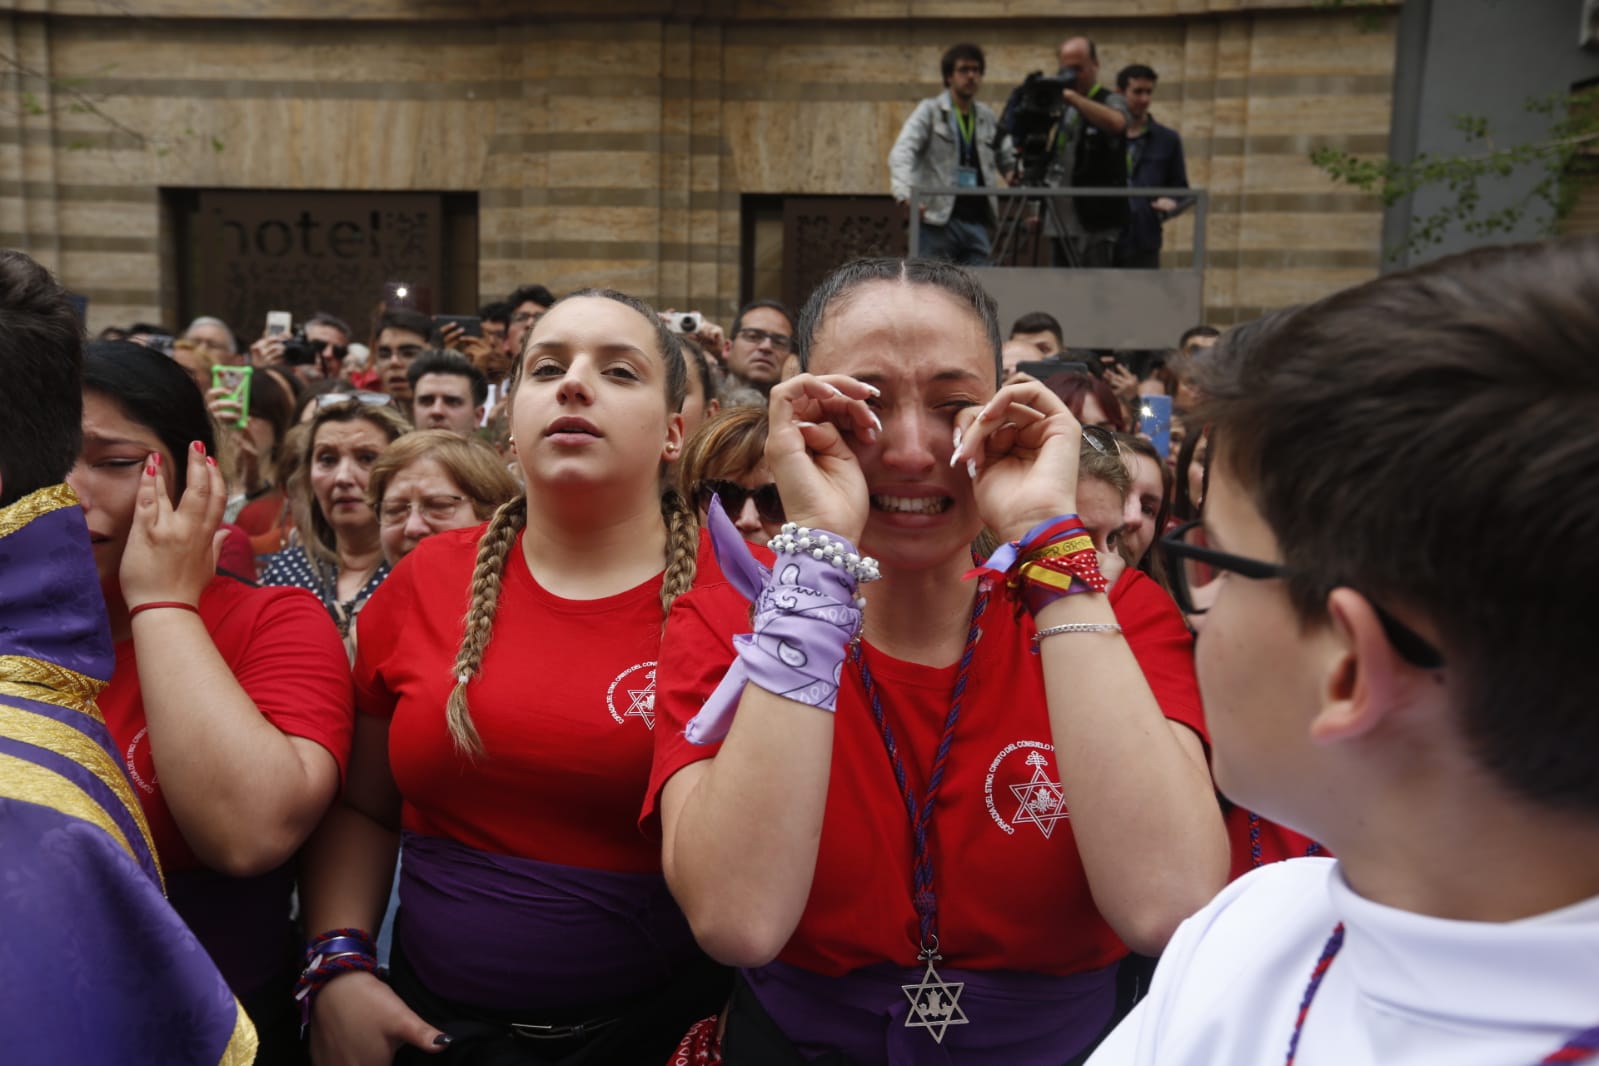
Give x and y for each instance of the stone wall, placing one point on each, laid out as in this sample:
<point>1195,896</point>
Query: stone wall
<point>616,150</point>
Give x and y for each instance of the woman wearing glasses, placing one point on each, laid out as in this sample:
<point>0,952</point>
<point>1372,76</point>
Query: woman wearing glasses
<point>340,556</point>
<point>432,481</point>
<point>948,869</point>
<point>727,458</point>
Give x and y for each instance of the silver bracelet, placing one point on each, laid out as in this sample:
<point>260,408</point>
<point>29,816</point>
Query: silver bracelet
<point>1076,627</point>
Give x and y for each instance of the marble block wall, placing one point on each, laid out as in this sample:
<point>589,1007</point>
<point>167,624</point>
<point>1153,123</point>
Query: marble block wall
<point>611,143</point>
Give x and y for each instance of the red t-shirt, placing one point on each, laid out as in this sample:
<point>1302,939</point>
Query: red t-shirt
<point>1012,894</point>
<point>286,655</point>
<point>564,704</point>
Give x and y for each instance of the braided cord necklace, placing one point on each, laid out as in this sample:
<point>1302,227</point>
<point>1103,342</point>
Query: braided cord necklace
<point>935,1003</point>
<point>1581,1047</point>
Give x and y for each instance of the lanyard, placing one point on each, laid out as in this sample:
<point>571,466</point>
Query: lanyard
<point>1579,1048</point>
<point>935,1003</point>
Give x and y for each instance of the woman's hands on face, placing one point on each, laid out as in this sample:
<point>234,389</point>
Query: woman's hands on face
<point>816,471</point>
<point>1021,449</point>
<point>172,552</point>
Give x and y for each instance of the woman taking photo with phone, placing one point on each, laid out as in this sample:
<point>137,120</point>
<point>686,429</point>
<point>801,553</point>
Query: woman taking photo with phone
<point>900,881</point>
<point>506,681</point>
<point>231,703</point>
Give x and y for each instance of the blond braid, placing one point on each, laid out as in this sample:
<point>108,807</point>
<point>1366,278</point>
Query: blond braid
<point>682,547</point>
<point>492,551</point>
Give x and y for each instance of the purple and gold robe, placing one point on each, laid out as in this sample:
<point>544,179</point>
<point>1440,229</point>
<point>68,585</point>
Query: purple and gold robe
<point>95,966</point>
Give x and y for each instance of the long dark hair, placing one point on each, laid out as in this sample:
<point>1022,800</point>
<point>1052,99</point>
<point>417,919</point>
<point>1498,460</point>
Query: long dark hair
<point>155,392</point>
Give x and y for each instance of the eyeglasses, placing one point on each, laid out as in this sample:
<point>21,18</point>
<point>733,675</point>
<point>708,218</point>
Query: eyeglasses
<point>365,398</point>
<point>781,342</point>
<point>433,509</point>
<point>526,318</point>
<point>767,502</point>
<point>339,350</point>
<point>1193,564</point>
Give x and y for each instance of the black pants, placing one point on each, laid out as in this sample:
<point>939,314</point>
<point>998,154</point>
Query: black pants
<point>646,1033</point>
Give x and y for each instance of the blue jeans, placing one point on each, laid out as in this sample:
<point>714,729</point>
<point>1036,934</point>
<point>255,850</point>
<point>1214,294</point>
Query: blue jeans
<point>957,241</point>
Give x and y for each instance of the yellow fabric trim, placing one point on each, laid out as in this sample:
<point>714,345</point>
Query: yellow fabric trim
<point>66,741</point>
<point>32,783</point>
<point>1065,547</point>
<point>35,505</point>
<point>1044,576</point>
<point>50,696</point>
<point>243,1043</point>
<point>20,669</point>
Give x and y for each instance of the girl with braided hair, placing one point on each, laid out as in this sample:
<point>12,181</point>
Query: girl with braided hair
<point>506,679</point>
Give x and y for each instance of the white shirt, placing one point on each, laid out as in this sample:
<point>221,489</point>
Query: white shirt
<point>1405,990</point>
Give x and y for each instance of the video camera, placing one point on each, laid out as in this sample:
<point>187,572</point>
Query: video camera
<point>1032,114</point>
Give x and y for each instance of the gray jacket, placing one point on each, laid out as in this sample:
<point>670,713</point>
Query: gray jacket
<point>927,153</point>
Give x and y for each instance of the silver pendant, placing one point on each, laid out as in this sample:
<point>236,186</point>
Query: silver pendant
<point>935,1003</point>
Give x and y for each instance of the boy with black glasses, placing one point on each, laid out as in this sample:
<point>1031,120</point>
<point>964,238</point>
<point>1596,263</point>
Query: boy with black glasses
<point>1396,659</point>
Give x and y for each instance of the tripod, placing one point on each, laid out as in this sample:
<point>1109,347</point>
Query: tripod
<point>1025,223</point>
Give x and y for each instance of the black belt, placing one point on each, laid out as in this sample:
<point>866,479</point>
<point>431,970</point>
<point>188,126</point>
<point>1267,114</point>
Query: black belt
<point>526,1031</point>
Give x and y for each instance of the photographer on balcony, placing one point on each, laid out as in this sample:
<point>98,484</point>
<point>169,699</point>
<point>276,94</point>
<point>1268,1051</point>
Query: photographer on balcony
<point>953,140</point>
<point>1089,151</point>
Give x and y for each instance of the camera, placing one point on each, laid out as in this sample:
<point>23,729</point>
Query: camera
<point>297,350</point>
<point>1032,115</point>
<point>687,323</point>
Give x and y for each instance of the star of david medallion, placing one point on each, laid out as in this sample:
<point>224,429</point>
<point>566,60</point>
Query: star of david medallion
<point>1041,801</point>
<point>935,1003</point>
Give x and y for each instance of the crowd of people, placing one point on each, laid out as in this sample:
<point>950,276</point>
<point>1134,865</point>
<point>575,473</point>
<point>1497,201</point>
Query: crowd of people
<point>821,690</point>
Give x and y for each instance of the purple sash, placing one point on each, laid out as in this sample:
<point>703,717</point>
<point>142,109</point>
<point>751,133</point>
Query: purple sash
<point>511,934</point>
<point>1014,1019</point>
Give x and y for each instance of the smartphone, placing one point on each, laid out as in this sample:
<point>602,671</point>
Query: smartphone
<point>236,379</point>
<point>471,325</point>
<point>1154,422</point>
<point>279,323</point>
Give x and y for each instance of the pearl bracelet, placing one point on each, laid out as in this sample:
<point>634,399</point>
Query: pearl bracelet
<point>793,539</point>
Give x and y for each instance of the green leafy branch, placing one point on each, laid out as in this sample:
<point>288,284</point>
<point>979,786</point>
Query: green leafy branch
<point>1573,132</point>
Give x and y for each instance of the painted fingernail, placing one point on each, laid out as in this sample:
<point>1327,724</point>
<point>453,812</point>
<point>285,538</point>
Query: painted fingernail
<point>873,389</point>
<point>155,458</point>
<point>805,425</point>
<point>834,389</point>
<point>149,469</point>
<point>209,461</point>
<point>878,422</point>
<point>443,1040</point>
<point>198,447</point>
<point>971,469</point>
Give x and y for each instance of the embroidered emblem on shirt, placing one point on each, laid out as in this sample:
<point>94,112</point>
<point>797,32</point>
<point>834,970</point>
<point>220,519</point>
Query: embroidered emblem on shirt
<point>140,764</point>
<point>1040,800</point>
<point>639,690</point>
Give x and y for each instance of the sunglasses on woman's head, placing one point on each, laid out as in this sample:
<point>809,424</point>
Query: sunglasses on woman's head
<point>767,502</point>
<point>365,398</point>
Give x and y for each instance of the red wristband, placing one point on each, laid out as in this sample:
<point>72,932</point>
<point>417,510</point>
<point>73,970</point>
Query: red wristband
<point>154,604</point>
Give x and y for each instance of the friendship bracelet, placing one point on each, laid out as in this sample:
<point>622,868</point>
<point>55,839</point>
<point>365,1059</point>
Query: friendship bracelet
<point>157,604</point>
<point>334,953</point>
<point>1075,627</point>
